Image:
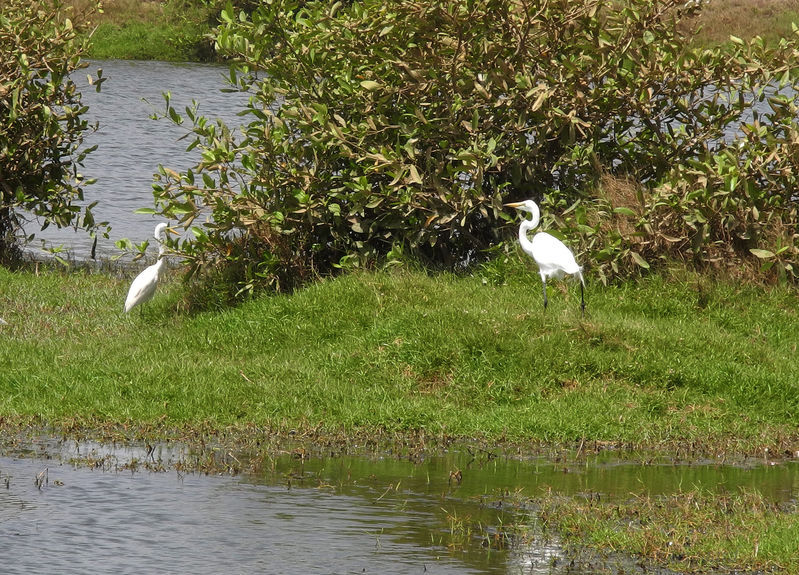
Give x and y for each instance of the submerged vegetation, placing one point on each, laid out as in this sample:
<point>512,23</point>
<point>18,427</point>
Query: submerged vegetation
<point>696,531</point>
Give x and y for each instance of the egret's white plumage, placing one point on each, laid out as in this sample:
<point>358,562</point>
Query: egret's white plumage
<point>143,287</point>
<point>554,259</point>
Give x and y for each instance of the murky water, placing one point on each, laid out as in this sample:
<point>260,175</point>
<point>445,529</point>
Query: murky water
<point>342,514</point>
<point>131,145</point>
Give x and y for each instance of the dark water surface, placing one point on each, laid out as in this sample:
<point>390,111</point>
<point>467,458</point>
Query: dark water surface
<point>131,145</point>
<point>342,514</point>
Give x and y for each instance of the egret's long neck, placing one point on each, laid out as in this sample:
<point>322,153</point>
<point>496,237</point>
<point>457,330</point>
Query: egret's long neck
<point>526,226</point>
<point>161,247</point>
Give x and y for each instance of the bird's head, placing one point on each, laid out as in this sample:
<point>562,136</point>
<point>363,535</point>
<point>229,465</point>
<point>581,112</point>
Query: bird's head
<point>525,206</point>
<point>162,229</point>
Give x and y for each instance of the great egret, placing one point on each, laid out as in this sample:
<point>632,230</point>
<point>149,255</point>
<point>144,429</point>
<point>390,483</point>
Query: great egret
<point>554,259</point>
<point>143,287</point>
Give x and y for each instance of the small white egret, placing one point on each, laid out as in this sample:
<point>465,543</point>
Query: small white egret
<point>554,259</point>
<point>143,287</point>
<point>3,322</point>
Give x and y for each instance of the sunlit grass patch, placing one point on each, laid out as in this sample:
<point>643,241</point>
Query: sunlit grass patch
<point>771,19</point>
<point>654,363</point>
<point>133,30</point>
<point>692,531</point>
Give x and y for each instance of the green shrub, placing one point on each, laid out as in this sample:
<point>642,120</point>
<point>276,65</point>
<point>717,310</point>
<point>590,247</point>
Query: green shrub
<point>383,123</point>
<point>41,120</point>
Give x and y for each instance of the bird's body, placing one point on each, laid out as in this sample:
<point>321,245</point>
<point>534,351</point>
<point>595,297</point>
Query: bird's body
<point>143,287</point>
<point>551,255</point>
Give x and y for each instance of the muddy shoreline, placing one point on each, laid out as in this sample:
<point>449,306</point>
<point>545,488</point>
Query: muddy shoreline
<point>245,448</point>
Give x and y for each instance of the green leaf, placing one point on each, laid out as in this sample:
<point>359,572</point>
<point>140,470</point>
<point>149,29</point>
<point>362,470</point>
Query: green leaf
<point>762,254</point>
<point>371,85</point>
<point>174,116</point>
<point>639,260</point>
<point>124,244</point>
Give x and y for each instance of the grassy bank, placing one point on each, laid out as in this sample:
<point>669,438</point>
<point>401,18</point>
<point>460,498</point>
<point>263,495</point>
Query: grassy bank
<point>770,19</point>
<point>696,531</point>
<point>176,29</point>
<point>680,362</point>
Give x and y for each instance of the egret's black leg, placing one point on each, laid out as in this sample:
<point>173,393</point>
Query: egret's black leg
<point>582,300</point>
<point>544,284</point>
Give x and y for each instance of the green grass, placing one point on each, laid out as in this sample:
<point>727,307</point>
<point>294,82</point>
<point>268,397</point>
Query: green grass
<point>675,362</point>
<point>769,19</point>
<point>694,532</point>
<point>174,30</point>
<point>136,41</point>
<point>661,362</point>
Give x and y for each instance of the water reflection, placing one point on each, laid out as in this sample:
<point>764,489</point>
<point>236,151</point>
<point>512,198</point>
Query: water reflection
<point>317,514</point>
<point>117,521</point>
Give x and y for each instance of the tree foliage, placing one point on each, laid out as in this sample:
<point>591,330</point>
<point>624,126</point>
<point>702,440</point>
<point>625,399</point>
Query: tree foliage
<point>41,120</point>
<point>379,125</point>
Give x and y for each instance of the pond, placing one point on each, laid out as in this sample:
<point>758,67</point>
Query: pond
<point>68,507</point>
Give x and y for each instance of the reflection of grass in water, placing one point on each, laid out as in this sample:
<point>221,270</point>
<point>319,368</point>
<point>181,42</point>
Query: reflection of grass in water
<point>693,531</point>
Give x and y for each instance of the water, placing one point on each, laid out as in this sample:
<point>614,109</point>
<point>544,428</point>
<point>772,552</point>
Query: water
<point>324,514</point>
<point>131,145</point>
<point>149,522</point>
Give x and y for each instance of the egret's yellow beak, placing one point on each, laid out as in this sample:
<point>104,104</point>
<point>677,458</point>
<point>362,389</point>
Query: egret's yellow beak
<point>514,204</point>
<point>173,231</point>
